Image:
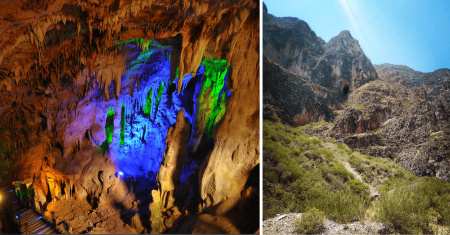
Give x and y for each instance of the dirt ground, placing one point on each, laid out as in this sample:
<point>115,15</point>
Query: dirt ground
<point>83,219</point>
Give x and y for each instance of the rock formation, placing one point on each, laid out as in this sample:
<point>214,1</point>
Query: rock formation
<point>391,120</point>
<point>89,91</point>
<point>332,69</point>
<point>432,82</point>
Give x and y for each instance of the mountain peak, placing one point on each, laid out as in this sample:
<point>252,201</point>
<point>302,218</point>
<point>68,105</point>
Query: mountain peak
<point>345,33</point>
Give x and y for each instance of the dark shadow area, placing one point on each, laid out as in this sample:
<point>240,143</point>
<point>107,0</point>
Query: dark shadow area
<point>345,88</point>
<point>48,197</point>
<point>245,214</point>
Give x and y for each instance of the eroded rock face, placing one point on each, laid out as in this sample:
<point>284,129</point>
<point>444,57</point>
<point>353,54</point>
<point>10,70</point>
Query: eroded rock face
<point>292,98</point>
<point>432,82</point>
<point>331,69</point>
<point>389,120</point>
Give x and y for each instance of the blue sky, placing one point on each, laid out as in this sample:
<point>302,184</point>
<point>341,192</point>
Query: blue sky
<point>415,33</point>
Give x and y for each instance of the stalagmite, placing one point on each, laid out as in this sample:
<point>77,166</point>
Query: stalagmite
<point>169,175</point>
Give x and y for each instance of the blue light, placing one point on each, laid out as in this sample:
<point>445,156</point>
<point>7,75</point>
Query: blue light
<point>17,216</point>
<point>35,219</point>
<point>10,190</point>
<point>139,152</point>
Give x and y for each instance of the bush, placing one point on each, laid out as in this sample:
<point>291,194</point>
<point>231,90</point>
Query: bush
<point>272,177</point>
<point>415,206</point>
<point>358,187</point>
<point>342,206</point>
<point>301,173</point>
<point>343,147</point>
<point>311,222</point>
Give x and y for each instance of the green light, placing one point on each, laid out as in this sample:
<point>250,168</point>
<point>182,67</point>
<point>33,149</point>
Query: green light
<point>160,92</point>
<point>148,104</point>
<point>211,104</point>
<point>109,129</point>
<point>122,125</point>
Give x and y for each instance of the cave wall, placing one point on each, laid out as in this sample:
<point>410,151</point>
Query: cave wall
<point>65,65</point>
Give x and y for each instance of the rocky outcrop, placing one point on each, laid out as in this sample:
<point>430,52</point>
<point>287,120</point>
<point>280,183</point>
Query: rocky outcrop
<point>389,120</point>
<point>332,69</point>
<point>97,133</point>
<point>432,82</point>
<point>398,74</point>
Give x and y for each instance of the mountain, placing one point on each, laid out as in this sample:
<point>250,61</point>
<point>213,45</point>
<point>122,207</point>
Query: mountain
<point>335,68</point>
<point>432,82</point>
<point>340,133</point>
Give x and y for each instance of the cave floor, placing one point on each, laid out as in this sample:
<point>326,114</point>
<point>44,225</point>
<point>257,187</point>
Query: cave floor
<point>83,219</point>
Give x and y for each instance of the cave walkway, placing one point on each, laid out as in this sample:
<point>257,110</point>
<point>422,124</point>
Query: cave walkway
<point>26,219</point>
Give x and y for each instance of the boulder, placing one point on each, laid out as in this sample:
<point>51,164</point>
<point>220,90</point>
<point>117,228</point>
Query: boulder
<point>97,133</point>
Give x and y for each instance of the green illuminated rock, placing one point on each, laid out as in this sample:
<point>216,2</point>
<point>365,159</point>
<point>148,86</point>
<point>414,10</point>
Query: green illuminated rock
<point>148,104</point>
<point>213,95</point>
<point>109,128</point>
<point>122,125</point>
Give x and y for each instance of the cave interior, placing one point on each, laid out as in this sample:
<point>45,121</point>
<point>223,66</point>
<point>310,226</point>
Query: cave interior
<point>125,116</point>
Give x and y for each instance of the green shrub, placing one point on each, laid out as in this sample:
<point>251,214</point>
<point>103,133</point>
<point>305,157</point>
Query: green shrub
<point>412,207</point>
<point>301,173</point>
<point>343,147</point>
<point>342,172</point>
<point>271,177</point>
<point>342,206</point>
<point>358,187</point>
<point>331,140</point>
<point>313,142</point>
<point>311,222</point>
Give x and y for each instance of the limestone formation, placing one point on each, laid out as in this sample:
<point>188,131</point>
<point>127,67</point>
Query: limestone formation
<point>97,133</point>
<point>117,73</point>
<point>169,176</point>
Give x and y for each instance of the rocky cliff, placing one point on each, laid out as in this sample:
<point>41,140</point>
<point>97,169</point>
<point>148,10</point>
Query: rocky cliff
<point>292,98</point>
<point>337,67</point>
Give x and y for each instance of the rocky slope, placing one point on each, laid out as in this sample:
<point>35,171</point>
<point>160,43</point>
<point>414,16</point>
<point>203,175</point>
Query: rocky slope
<point>389,120</point>
<point>70,70</point>
<point>337,67</point>
<point>432,82</point>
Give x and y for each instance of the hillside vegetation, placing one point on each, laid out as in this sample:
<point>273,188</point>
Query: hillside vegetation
<point>303,172</point>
